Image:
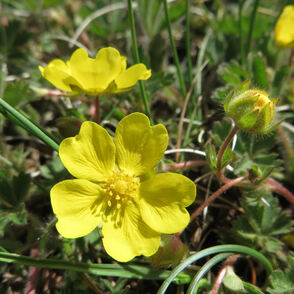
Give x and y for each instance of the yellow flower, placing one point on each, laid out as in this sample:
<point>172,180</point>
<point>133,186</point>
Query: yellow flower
<point>284,32</point>
<point>117,189</point>
<point>107,73</point>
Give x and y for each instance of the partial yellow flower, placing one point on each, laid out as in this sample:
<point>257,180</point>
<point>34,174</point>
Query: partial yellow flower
<point>284,32</point>
<point>107,73</point>
<point>117,189</point>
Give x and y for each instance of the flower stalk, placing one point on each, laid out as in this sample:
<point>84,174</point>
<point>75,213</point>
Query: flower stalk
<point>221,190</point>
<point>137,58</point>
<point>223,148</point>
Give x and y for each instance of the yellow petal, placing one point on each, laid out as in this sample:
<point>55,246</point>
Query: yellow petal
<point>123,64</point>
<point>130,77</point>
<point>163,199</point>
<point>77,204</point>
<point>89,155</point>
<point>57,73</point>
<point>284,32</point>
<point>95,75</point>
<point>139,146</point>
<point>129,237</point>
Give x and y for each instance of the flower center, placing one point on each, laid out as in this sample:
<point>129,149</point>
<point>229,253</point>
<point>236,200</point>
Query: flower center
<point>120,187</point>
<point>261,102</point>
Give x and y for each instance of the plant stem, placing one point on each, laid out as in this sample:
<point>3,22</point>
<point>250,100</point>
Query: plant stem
<point>219,280</point>
<point>183,113</point>
<point>33,274</point>
<point>291,58</point>
<point>129,271</point>
<point>223,149</point>
<point>174,49</point>
<point>252,20</point>
<point>25,123</point>
<point>185,165</point>
<point>137,58</point>
<point>188,42</point>
<point>229,262</point>
<point>221,190</point>
<point>241,2</point>
<point>277,187</point>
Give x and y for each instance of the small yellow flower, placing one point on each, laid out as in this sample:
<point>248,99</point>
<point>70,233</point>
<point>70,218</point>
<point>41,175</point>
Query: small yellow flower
<point>284,33</point>
<point>107,73</point>
<point>117,189</point>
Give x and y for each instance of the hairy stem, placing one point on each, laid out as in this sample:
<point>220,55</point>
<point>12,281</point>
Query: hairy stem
<point>223,149</point>
<point>221,190</point>
<point>278,188</point>
<point>229,262</point>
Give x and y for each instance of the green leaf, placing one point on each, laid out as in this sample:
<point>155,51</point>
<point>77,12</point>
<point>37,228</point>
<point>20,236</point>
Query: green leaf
<point>279,79</point>
<point>262,223</point>
<point>6,193</point>
<point>232,73</point>
<point>21,185</point>
<point>226,157</point>
<point>259,71</point>
<point>109,270</point>
<point>232,281</point>
<point>251,289</point>
<point>16,92</point>
<point>282,282</point>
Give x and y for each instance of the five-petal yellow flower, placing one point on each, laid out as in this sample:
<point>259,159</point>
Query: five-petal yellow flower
<point>107,73</point>
<point>284,32</point>
<point>117,189</point>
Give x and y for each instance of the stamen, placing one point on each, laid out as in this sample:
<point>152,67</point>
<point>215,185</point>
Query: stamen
<point>120,187</point>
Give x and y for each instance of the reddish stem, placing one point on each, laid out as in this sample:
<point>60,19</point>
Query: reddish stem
<point>227,264</point>
<point>277,187</point>
<point>219,280</point>
<point>33,274</point>
<point>223,149</point>
<point>185,165</point>
<point>221,190</point>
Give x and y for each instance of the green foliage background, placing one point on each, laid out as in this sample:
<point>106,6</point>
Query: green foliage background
<point>222,44</point>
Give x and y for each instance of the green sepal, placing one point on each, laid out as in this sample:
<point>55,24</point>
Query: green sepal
<point>272,127</point>
<point>264,119</point>
<point>238,91</point>
<point>228,99</point>
<point>241,105</point>
<point>275,100</point>
<point>243,87</point>
<point>211,156</point>
<point>247,121</point>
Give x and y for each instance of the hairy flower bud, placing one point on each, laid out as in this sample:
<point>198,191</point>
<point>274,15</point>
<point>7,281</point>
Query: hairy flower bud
<point>251,109</point>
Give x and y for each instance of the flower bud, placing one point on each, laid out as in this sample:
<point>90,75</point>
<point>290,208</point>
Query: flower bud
<point>252,110</point>
<point>284,33</point>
